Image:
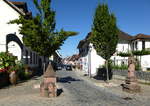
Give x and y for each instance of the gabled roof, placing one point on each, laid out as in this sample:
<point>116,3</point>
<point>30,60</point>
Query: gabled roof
<point>21,5</point>
<point>141,36</point>
<point>74,57</point>
<point>84,40</point>
<point>81,43</point>
<point>14,7</point>
<point>18,3</point>
<point>124,36</point>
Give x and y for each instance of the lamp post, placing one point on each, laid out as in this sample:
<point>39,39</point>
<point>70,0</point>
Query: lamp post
<point>89,59</point>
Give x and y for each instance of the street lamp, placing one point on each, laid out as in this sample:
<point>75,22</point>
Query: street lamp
<point>89,59</point>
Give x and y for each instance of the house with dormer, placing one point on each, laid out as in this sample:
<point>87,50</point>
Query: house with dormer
<point>90,60</point>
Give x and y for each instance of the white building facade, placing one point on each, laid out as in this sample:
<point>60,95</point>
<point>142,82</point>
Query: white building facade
<point>10,37</point>
<point>90,61</point>
<point>126,44</point>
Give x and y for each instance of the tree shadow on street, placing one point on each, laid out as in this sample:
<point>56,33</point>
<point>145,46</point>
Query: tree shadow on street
<point>67,79</point>
<point>102,74</point>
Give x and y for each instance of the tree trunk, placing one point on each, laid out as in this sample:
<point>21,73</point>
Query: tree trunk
<point>107,74</point>
<point>140,63</point>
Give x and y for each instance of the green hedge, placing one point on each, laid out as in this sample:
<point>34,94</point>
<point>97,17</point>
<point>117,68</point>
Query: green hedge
<point>141,52</point>
<point>136,53</point>
<point>124,54</point>
<point>120,67</point>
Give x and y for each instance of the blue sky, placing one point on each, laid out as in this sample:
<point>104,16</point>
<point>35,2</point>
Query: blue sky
<point>133,17</point>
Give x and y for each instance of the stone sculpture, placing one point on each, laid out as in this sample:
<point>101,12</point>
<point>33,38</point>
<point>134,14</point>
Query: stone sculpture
<point>131,83</point>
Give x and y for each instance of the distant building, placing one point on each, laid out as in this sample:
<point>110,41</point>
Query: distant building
<point>71,60</point>
<point>56,58</point>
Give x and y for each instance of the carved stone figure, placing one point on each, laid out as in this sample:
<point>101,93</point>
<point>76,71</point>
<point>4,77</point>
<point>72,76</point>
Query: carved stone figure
<point>131,83</point>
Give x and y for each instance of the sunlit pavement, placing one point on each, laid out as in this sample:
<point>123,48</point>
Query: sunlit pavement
<point>76,91</point>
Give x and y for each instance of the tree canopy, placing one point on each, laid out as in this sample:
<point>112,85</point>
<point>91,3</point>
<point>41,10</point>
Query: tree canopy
<point>104,32</point>
<point>39,31</point>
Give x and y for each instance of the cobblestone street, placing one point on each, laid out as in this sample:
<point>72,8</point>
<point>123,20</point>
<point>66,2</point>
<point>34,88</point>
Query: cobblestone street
<point>76,92</point>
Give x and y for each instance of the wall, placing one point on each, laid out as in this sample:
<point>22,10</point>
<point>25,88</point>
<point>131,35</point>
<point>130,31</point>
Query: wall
<point>147,44</point>
<point>118,60</point>
<point>15,49</point>
<point>84,64</point>
<point>96,61</point>
<point>139,45</point>
<point>7,14</point>
<point>145,62</point>
<point>122,46</point>
<point>139,74</point>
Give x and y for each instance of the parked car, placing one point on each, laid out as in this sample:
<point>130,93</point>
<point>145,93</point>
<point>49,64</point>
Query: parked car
<point>68,67</point>
<point>59,67</point>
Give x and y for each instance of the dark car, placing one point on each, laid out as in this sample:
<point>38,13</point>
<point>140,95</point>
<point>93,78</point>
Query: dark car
<point>57,66</point>
<point>68,67</point>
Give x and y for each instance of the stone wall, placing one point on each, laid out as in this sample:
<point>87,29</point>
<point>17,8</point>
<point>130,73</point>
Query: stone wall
<point>141,75</point>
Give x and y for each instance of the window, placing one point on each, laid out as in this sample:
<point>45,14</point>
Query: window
<point>136,47</point>
<point>26,59</point>
<point>132,46</point>
<point>143,45</point>
<point>122,63</point>
<point>30,57</point>
<point>123,48</point>
<point>34,58</point>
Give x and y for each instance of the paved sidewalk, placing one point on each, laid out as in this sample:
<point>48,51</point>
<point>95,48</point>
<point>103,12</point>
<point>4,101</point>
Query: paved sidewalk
<point>115,87</point>
<point>28,94</point>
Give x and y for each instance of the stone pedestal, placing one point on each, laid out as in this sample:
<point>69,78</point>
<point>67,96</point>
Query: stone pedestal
<point>131,83</point>
<point>48,86</point>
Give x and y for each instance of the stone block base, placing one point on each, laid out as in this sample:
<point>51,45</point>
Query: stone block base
<point>131,88</point>
<point>131,85</point>
<point>48,90</point>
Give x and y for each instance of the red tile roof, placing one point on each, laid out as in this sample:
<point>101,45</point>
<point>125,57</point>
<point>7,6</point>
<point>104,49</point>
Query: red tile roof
<point>14,7</point>
<point>21,5</point>
<point>141,36</point>
<point>124,36</point>
<point>18,3</point>
<point>121,35</point>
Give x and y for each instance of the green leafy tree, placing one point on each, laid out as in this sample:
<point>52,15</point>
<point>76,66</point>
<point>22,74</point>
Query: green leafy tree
<point>104,33</point>
<point>39,31</point>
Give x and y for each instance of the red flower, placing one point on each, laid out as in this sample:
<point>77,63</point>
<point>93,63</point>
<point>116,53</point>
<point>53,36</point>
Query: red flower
<point>3,70</point>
